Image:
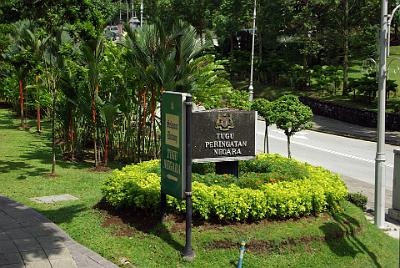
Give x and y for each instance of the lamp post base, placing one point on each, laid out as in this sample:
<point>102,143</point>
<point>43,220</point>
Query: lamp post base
<point>188,255</point>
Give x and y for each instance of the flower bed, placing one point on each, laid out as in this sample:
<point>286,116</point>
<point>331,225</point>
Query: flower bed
<point>282,188</point>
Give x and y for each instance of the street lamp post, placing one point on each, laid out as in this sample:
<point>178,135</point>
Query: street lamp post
<point>141,13</point>
<point>380,169</point>
<point>133,8</point>
<point>251,88</point>
<point>120,12</point>
<point>127,11</point>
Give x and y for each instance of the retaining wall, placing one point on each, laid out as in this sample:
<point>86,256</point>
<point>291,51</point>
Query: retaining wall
<point>360,117</point>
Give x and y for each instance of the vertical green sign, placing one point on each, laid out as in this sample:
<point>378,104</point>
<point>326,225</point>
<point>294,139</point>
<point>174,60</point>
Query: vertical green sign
<point>173,144</point>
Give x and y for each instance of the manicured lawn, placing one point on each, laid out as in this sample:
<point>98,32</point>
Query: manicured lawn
<point>272,93</point>
<point>357,69</point>
<point>342,240</point>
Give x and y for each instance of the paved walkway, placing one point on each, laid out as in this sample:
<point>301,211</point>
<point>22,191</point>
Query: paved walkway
<point>28,239</point>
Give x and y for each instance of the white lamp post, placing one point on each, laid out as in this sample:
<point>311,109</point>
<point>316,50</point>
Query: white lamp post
<point>380,169</point>
<point>120,12</point>
<point>127,10</point>
<point>141,13</point>
<point>251,89</point>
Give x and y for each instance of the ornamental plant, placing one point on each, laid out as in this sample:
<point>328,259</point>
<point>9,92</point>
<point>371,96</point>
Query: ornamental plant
<point>226,200</point>
<point>292,116</point>
<point>265,109</point>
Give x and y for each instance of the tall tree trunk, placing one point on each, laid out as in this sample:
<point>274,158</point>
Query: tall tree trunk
<point>288,146</point>
<point>305,71</point>
<point>139,129</point>
<point>96,161</point>
<point>144,122</point>
<point>266,141</point>
<point>153,118</point>
<point>71,136</point>
<point>99,147</point>
<point>106,148</point>
<point>38,129</point>
<point>346,47</point>
<point>259,76</point>
<point>260,43</point>
<point>231,55</point>
<point>26,110</point>
<point>53,130</point>
<point>21,101</point>
<point>144,109</point>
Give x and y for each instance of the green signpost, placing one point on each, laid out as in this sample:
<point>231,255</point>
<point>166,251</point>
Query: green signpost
<point>176,157</point>
<point>217,134</point>
<point>173,144</point>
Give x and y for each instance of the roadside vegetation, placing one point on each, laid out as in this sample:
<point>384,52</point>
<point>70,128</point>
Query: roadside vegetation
<point>83,103</point>
<point>270,187</point>
<point>103,95</point>
<point>344,237</point>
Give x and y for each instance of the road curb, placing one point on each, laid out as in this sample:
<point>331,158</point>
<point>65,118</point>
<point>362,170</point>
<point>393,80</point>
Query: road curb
<point>348,135</point>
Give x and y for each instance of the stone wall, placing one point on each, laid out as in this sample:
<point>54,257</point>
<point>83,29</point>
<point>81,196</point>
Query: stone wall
<point>360,117</point>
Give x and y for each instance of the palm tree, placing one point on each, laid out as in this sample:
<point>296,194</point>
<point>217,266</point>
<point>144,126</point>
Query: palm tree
<point>51,59</point>
<point>160,57</point>
<point>19,57</point>
<point>36,45</point>
<point>92,53</point>
<point>54,67</point>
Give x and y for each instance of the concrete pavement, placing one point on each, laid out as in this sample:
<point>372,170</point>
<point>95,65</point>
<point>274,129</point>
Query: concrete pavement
<point>30,240</point>
<point>332,126</point>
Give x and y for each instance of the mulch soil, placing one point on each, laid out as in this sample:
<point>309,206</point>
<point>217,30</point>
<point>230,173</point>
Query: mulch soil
<point>130,222</point>
<point>100,169</point>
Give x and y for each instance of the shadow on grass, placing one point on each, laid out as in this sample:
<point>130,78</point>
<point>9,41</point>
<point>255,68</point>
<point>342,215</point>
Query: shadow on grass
<point>39,150</point>
<point>8,123</point>
<point>10,166</point>
<point>44,155</point>
<point>8,117</point>
<point>62,214</point>
<point>341,237</point>
<point>129,221</point>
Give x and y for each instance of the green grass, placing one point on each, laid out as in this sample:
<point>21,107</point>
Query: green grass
<point>272,93</point>
<point>357,69</point>
<point>25,158</point>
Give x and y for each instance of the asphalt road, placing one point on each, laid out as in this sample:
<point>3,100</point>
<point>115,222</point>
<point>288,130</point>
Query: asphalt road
<point>346,156</point>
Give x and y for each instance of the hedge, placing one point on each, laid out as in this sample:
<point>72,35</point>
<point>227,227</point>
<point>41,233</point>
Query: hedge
<point>139,186</point>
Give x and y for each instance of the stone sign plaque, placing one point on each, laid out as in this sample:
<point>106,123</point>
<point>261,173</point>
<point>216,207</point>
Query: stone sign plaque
<point>224,135</point>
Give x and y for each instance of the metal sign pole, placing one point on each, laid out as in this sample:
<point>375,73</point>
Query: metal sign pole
<point>188,253</point>
<point>163,195</point>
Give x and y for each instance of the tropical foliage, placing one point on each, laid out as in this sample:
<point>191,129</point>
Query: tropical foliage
<point>104,96</point>
<point>292,116</point>
<point>227,199</point>
<point>265,109</point>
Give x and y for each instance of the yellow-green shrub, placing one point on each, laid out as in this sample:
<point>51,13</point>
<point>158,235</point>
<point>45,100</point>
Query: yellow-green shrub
<point>139,186</point>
